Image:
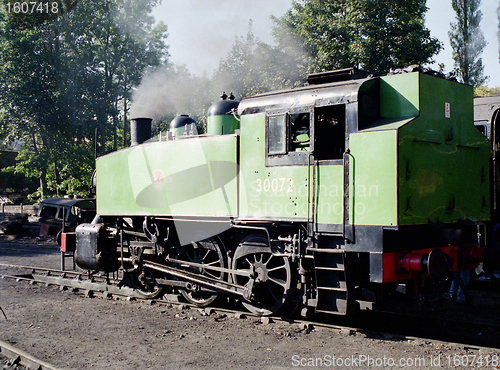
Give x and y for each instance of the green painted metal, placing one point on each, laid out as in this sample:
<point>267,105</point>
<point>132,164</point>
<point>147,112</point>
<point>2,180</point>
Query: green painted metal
<point>373,182</point>
<point>180,132</point>
<point>423,161</point>
<point>373,179</point>
<point>399,96</point>
<point>272,192</point>
<point>443,159</point>
<point>222,124</point>
<point>329,197</point>
<point>177,132</point>
<point>182,125</point>
<point>196,176</point>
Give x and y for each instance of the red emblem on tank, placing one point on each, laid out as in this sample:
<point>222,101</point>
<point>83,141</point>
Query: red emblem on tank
<point>158,179</point>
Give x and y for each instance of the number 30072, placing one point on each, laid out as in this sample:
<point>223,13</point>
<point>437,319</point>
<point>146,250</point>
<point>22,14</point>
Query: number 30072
<point>275,185</point>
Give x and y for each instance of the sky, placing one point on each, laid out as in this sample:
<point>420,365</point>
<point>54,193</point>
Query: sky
<point>202,32</point>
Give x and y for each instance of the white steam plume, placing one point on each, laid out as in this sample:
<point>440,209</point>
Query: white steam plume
<point>170,91</point>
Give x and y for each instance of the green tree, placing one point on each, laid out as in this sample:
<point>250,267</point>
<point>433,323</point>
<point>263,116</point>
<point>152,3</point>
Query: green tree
<point>59,80</point>
<point>376,35</point>
<point>33,84</point>
<point>392,35</point>
<point>326,30</point>
<point>253,66</point>
<point>467,42</point>
<point>116,41</point>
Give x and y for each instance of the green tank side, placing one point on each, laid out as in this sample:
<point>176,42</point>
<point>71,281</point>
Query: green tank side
<point>189,177</point>
<point>373,180</point>
<point>443,159</point>
<point>268,192</point>
<point>423,161</point>
<point>399,96</point>
<point>373,153</point>
<point>329,199</point>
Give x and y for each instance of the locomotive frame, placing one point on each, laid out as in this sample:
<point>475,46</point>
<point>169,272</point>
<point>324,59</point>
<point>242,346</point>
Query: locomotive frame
<point>328,196</point>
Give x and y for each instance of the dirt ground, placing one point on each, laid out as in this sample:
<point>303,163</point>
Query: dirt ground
<point>72,331</point>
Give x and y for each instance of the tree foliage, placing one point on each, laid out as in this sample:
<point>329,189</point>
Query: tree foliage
<point>326,30</point>
<point>484,91</point>
<point>393,35</point>
<point>467,42</point>
<point>375,35</point>
<point>61,79</point>
<point>253,67</point>
<point>321,35</point>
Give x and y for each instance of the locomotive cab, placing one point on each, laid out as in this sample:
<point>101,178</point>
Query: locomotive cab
<point>395,173</point>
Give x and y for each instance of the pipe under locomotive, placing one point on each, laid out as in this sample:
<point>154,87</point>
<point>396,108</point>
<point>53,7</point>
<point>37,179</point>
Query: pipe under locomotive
<point>328,196</point>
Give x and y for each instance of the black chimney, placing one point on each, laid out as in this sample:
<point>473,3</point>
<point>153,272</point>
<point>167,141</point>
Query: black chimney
<point>140,130</point>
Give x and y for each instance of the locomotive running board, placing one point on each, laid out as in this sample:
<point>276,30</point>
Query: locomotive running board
<point>223,286</point>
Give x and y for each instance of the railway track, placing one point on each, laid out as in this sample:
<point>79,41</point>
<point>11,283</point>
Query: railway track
<point>13,358</point>
<point>90,283</point>
<point>428,324</point>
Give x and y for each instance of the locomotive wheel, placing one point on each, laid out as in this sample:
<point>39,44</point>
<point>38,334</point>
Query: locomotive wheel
<point>272,278</point>
<point>144,282</point>
<point>210,252</point>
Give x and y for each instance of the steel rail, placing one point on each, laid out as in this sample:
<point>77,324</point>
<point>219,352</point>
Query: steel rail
<point>61,272</point>
<point>88,284</point>
<point>308,324</point>
<point>20,357</point>
<point>38,268</point>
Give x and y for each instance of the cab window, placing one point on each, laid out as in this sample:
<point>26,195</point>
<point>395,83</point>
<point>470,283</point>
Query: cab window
<point>288,138</point>
<point>299,132</point>
<point>329,132</point>
<point>276,137</point>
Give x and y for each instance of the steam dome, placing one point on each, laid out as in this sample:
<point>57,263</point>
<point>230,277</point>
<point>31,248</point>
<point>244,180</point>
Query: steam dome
<point>180,124</point>
<point>220,119</point>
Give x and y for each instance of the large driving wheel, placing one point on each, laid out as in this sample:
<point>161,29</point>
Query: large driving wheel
<point>207,253</point>
<point>271,278</point>
<point>144,282</point>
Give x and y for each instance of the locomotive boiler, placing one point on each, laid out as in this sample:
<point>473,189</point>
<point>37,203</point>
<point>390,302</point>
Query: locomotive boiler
<point>327,197</point>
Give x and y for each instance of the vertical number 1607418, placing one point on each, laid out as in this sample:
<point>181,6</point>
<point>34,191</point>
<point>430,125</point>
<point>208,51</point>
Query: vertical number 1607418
<point>31,7</point>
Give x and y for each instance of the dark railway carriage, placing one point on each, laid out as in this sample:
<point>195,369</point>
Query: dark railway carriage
<point>329,196</point>
<point>486,119</point>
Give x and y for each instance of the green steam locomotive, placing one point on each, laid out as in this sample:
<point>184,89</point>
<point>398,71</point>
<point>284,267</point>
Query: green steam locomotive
<point>323,198</point>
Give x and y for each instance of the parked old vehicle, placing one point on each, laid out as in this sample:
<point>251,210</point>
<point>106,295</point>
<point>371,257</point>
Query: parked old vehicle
<point>74,211</point>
